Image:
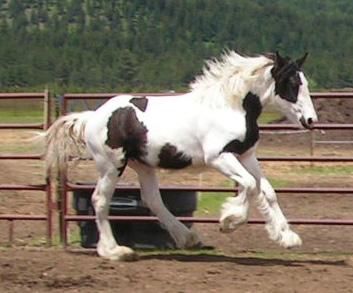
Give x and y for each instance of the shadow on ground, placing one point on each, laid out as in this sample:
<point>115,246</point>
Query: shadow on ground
<point>248,261</point>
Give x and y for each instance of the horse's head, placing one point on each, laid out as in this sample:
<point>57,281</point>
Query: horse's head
<point>291,91</point>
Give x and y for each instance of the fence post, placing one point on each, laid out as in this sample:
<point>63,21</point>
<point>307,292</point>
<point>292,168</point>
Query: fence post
<point>47,109</point>
<point>58,176</point>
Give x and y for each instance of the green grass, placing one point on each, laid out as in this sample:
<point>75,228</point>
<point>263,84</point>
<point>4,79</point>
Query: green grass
<point>19,149</point>
<point>278,182</point>
<point>210,203</point>
<point>74,239</point>
<point>21,115</point>
<point>333,170</point>
<point>75,236</point>
<point>267,117</point>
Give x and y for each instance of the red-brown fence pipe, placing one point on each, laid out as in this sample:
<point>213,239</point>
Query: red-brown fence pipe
<point>21,126</point>
<point>20,157</point>
<point>76,218</point>
<point>22,96</point>
<point>63,207</point>
<point>96,96</point>
<point>50,207</point>
<point>314,190</point>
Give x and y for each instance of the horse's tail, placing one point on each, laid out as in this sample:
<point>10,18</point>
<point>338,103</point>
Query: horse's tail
<point>65,138</point>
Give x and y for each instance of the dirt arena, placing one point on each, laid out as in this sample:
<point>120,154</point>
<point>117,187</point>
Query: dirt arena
<point>243,261</point>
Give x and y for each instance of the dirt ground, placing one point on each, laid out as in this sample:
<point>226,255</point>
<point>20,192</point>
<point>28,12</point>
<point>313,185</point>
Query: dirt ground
<point>243,261</point>
<point>54,270</point>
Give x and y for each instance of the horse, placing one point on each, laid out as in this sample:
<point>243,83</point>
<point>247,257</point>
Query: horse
<point>212,125</point>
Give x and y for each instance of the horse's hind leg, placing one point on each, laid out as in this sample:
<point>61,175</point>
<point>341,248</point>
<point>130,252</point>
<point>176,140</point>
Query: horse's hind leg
<point>107,246</point>
<point>184,237</point>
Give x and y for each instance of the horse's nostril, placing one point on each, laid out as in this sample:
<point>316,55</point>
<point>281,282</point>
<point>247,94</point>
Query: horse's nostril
<point>307,123</point>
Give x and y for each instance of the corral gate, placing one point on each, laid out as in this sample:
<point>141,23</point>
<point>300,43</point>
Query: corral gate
<point>28,186</point>
<point>66,186</point>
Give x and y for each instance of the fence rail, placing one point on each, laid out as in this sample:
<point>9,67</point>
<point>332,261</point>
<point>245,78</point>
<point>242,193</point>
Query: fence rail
<point>325,222</point>
<point>24,96</point>
<point>295,190</point>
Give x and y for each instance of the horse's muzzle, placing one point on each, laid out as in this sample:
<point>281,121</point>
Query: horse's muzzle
<point>307,123</point>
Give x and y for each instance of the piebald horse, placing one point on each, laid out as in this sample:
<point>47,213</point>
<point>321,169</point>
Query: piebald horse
<point>213,125</point>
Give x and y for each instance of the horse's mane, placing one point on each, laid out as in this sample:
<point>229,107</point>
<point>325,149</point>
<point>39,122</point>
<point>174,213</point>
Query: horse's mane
<point>230,73</point>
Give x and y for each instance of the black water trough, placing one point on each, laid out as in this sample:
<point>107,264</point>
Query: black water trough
<point>128,203</point>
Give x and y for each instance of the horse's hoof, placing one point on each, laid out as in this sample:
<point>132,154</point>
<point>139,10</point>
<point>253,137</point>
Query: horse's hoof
<point>133,256</point>
<point>119,253</point>
<point>201,246</point>
<point>192,241</point>
<point>290,239</point>
<point>230,223</point>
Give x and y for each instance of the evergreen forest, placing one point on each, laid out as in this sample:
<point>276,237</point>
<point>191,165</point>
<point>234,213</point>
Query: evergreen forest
<point>160,45</point>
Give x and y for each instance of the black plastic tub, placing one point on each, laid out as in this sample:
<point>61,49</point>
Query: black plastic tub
<point>128,203</point>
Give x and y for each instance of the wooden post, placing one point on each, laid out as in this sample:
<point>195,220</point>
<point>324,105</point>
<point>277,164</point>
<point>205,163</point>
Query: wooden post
<point>47,109</point>
<point>48,190</point>
<point>50,208</point>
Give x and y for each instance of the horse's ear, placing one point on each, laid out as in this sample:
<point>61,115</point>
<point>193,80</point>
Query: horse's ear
<point>279,61</point>
<point>301,60</point>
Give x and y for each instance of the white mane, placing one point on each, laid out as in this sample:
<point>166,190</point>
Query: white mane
<point>230,76</point>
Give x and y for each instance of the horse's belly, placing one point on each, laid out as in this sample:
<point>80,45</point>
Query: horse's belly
<point>171,155</point>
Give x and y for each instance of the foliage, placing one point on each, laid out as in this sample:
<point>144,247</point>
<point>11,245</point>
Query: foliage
<point>125,45</point>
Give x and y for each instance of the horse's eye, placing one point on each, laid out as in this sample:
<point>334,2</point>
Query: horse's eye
<point>293,80</point>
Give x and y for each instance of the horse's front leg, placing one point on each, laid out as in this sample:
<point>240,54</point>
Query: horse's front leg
<point>183,236</point>
<point>277,225</point>
<point>235,210</point>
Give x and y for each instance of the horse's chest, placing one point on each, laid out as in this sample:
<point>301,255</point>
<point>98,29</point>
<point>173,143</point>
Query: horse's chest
<point>252,107</point>
<point>238,146</point>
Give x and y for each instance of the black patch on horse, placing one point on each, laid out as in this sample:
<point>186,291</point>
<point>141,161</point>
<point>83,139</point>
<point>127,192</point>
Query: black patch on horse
<point>126,131</point>
<point>287,80</point>
<point>171,158</point>
<point>253,108</point>
<point>140,103</point>
<point>122,168</point>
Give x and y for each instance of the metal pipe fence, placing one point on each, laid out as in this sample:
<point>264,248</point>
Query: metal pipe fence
<point>44,187</point>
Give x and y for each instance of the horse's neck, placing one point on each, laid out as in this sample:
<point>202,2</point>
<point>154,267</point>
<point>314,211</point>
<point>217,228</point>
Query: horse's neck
<point>222,95</point>
<point>263,87</point>
<point>210,97</point>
